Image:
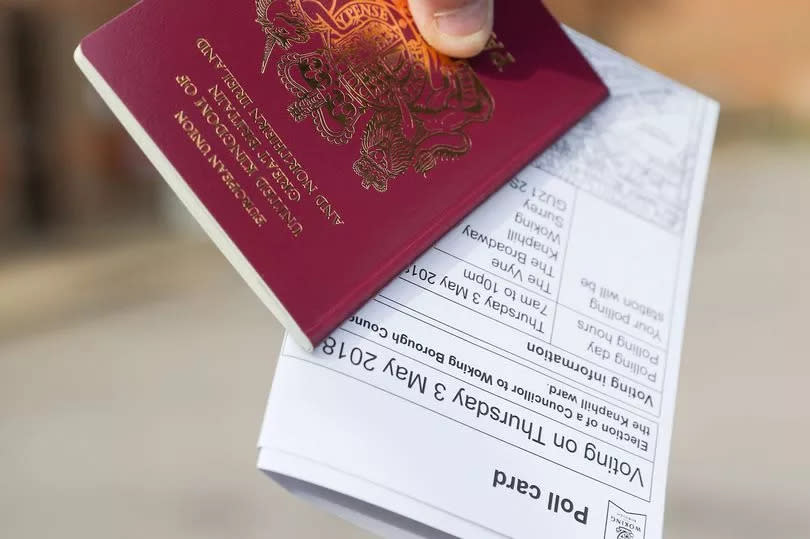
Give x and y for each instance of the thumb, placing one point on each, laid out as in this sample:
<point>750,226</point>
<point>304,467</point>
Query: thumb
<point>457,28</point>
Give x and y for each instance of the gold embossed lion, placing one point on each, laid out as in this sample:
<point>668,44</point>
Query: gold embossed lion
<point>372,69</point>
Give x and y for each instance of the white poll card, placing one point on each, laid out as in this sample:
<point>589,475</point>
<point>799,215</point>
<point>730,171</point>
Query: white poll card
<point>519,379</point>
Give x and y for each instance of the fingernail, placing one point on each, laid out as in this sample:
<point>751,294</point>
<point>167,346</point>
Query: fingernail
<point>464,20</point>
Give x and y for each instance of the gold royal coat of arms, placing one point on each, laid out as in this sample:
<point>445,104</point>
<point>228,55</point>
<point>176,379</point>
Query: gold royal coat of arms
<point>372,70</point>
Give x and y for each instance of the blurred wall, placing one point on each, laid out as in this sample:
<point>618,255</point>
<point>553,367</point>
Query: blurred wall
<point>64,161</point>
<point>7,148</point>
<point>750,55</point>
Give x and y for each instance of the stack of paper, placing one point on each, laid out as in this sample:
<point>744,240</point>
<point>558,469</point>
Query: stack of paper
<point>519,378</point>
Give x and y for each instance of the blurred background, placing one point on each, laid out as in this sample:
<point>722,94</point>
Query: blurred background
<point>134,364</point>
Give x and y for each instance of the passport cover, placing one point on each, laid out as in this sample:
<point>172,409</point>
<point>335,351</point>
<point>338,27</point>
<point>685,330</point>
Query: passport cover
<point>321,143</point>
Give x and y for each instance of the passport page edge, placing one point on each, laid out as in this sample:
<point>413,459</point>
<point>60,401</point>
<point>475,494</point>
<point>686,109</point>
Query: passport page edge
<point>189,199</point>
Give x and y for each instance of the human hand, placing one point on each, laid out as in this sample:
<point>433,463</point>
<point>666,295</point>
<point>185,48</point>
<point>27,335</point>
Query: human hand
<point>458,28</point>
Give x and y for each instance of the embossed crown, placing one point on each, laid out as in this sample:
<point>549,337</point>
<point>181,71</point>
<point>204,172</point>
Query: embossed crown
<point>372,173</point>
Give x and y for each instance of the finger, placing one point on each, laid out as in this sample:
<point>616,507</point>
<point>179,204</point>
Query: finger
<point>458,28</point>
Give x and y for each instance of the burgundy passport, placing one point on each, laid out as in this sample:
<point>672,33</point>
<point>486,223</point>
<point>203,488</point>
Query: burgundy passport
<point>321,143</point>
